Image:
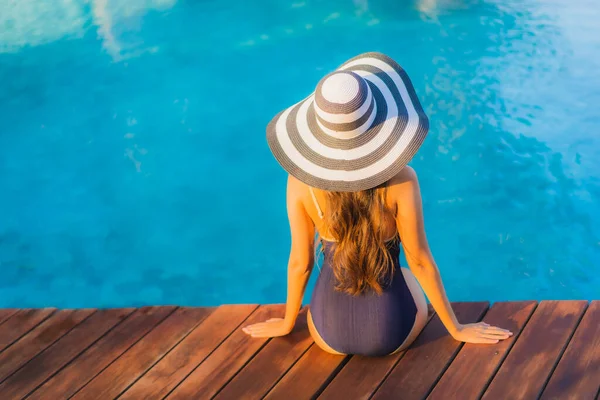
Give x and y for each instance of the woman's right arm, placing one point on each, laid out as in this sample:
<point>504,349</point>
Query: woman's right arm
<point>409,221</point>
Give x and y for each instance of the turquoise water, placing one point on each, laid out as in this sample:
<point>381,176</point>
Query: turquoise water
<point>134,168</point>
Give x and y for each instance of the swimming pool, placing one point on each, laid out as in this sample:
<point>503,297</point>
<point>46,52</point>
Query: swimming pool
<point>134,167</point>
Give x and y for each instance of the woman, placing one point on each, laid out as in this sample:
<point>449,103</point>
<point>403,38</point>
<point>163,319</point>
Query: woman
<point>346,149</point>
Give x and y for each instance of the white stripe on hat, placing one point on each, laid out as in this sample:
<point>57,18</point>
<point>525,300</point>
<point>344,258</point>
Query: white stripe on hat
<point>340,88</point>
<point>339,154</point>
<point>357,152</point>
<point>345,118</point>
<point>353,133</point>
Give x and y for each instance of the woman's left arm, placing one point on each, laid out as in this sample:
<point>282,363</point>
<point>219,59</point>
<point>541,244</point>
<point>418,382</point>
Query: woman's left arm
<point>300,265</point>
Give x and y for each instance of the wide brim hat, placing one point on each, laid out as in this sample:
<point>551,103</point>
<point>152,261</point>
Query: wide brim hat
<point>358,129</point>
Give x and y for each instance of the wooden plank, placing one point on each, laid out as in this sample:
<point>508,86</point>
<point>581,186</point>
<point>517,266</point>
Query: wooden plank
<point>309,376</point>
<point>577,375</point>
<point>533,357</point>
<point>6,313</point>
<point>48,362</point>
<point>361,376</point>
<point>121,374</point>
<point>427,359</point>
<point>89,364</point>
<point>269,365</point>
<point>212,373</point>
<point>481,361</point>
<point>21,323</point>
<point>39,339</point>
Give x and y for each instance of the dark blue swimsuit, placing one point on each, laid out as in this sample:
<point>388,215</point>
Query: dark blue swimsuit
<point>368,324</point>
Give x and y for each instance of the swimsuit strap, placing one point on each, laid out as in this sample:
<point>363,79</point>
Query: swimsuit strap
<point>312,193</point>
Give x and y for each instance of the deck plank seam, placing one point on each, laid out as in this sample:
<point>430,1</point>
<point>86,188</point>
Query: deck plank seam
<point>245,364</point>
<point>124,351</point>
<point>9,316</point>
<point>163,356</point>
<point>25,333</point>
<point>236,373</point>
<point>453,356</point>
<point>46,351</point>
<point>287,370</point>
<point>429,318</point>
<point>213,350</point>
<point>331,376</point>
<point>79,354</point>
<point>48,346</point>
<point>562,351</point>
<point>445,368</point>
<point>493,375</point>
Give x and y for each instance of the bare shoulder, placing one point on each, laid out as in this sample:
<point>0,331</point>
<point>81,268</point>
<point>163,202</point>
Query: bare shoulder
<point>295,183</point>
<point>404,180</point>
<point>295,187</point>
<point>405,192</point>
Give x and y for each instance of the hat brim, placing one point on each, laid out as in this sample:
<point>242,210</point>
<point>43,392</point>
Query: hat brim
<point>362,162</point>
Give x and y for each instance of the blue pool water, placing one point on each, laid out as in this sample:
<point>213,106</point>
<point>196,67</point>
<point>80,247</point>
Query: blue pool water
<point>134,168</point>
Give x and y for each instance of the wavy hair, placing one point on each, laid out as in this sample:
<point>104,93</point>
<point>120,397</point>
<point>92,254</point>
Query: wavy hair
<point>355,220</point>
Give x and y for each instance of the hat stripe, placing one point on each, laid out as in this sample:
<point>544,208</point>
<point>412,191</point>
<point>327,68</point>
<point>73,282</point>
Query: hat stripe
<point>337,110</point>
<point>368,164</point>
<point>340,118</point>
<point>407,84</point>
<point>331,142</point>
<point>307,133</point>
<point>322,160</point>
<point>344,185</point>
<point>348,130</point>
<point>373,159</point>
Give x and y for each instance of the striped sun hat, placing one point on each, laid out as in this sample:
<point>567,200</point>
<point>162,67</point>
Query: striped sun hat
<point>359,128</point>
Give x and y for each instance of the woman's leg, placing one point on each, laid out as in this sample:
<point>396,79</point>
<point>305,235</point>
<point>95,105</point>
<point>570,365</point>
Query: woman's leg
<point>420,302</point>
<point>317,338</point>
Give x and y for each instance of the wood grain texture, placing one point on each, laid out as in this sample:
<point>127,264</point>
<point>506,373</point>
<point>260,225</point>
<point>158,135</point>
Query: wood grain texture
<point>577,376</point>
<point>527,367</point>
<point>309,376</point>
<point>51,360</point>
<point>201,353</point>
<point>20,323</point>
<point>217,369</point>
<point>6,313</point>
<point>475,365</point>
<point>132,364</point>
<point>89,364</point>
<point>427,359</point>
<point>38,339</point>
<point>179,363</point>
<point>262,372</point>
<point>361,376</point>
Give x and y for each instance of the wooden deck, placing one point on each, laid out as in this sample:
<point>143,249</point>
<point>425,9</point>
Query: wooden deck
<point>201,353</point>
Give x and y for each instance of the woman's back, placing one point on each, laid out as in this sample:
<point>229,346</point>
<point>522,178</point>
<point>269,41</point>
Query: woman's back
<point>369,323</point>
<point>316,206</point>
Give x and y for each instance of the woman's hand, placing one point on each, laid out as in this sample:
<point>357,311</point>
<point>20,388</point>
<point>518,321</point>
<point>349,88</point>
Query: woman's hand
<point>480,332</point>
<point>271,328</point>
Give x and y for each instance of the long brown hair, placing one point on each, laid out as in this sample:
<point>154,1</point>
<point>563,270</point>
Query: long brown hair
<point>355,220</point>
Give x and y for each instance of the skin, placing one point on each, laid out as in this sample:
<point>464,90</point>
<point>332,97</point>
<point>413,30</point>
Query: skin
<point>404,196</point>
